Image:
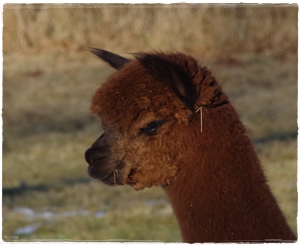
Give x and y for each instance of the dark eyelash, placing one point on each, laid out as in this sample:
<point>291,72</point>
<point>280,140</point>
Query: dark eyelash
<point>152,127</point>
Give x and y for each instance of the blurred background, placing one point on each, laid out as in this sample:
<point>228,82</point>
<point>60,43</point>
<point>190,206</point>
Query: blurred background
<point>49,78</point>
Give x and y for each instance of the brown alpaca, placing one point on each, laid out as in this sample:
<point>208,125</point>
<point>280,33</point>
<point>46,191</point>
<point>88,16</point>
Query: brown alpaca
<point>167,122</point>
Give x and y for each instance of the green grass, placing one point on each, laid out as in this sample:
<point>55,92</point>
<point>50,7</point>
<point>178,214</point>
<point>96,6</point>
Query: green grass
<point>47,128</point>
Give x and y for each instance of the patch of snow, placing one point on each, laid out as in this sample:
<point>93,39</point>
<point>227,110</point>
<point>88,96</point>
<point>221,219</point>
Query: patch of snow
<point>75,213</point>
<point>24,210</point>
<point>27,230</point>
<point>100,214</point>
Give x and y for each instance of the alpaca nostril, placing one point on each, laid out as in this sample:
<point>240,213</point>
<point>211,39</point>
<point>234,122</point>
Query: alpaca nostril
<point>87,156</point>
<point>92,156</point>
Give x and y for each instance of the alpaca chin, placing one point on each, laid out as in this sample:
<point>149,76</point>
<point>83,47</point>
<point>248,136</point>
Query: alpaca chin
<point>110,174</point>
<point>140,179</point>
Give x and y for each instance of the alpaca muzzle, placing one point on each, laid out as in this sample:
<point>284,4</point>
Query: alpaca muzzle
<point>100,166</point>
<point>98,151</point>
<point>96,156</point>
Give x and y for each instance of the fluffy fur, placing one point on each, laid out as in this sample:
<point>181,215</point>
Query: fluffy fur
<point>213,178</point>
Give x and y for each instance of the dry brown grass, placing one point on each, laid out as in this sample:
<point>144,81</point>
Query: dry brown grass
<point>195,28</point>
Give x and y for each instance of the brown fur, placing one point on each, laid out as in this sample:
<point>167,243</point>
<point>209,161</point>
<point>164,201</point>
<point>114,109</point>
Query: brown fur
<point>213,178</point>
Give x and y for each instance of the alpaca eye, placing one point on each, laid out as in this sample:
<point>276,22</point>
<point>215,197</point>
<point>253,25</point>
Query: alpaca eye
<point>151,128</point>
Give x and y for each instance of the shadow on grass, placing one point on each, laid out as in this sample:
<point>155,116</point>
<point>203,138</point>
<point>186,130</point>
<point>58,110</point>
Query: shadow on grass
<point>24,187</point>
<point>282,136</point>
<point>44,124</point>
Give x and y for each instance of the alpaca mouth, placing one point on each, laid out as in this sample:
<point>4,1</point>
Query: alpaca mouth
<point>110,175</point>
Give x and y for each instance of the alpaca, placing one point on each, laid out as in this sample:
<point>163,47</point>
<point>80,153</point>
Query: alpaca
<point>167,123</point>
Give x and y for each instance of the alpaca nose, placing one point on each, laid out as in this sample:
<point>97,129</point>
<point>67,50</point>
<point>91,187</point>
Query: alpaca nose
<point>98,151</point>
<point>91,156</point>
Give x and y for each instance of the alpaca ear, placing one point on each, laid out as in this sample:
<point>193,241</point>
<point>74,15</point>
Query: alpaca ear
<point>171,75</point>
<point>112,59</point>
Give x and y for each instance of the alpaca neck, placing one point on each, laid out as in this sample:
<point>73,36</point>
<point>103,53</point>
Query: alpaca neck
<point>220,193</point>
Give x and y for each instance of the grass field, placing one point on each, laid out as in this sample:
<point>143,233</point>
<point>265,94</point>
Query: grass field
<point>47,128</point>
<point>48,83</point>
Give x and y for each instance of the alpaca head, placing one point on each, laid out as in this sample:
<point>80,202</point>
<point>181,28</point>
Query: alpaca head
<point>146,109</point>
